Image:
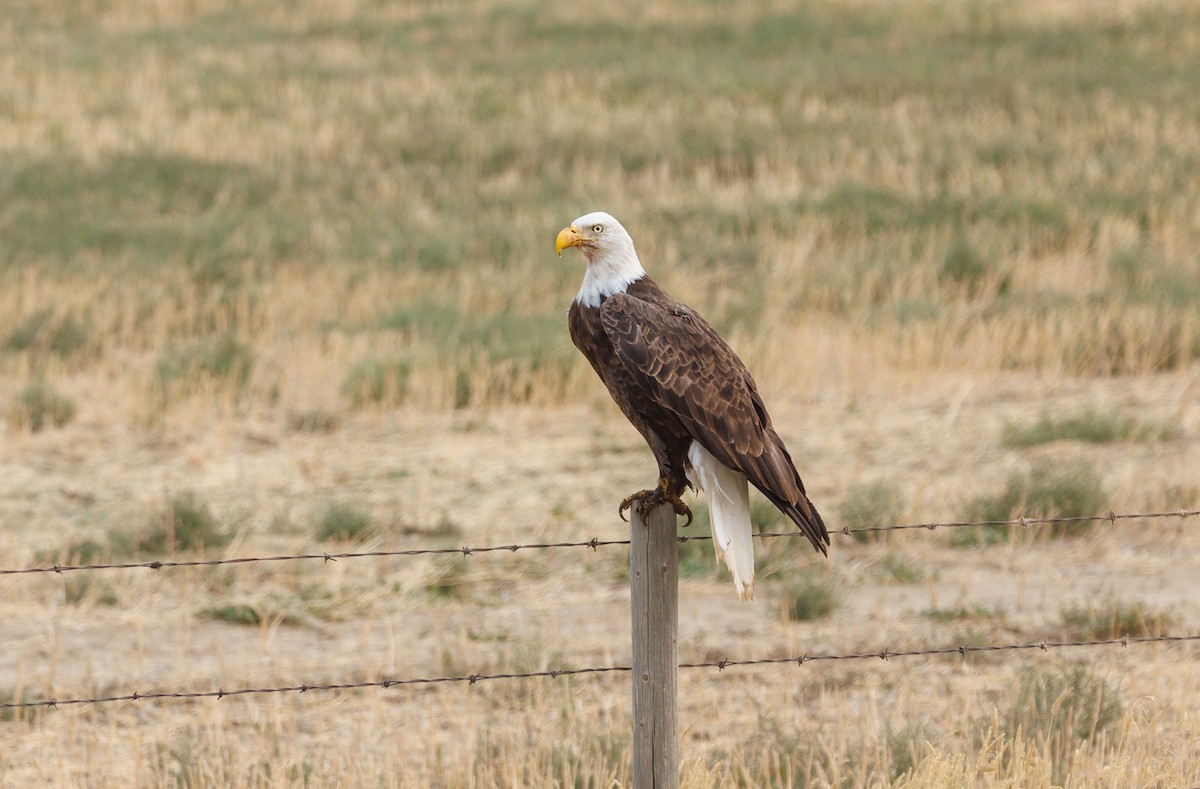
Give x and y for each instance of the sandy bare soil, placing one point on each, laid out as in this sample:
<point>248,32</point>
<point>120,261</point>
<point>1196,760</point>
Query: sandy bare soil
<point>509,476</point>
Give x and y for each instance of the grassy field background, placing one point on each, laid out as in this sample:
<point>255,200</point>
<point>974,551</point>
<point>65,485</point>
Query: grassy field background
<point>279,277</point>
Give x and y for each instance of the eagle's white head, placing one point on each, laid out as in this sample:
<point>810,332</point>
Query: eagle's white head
<point>612,262</point>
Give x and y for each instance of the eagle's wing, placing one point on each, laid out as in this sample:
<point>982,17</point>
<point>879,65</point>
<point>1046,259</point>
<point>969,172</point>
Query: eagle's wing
<point>681,362</point>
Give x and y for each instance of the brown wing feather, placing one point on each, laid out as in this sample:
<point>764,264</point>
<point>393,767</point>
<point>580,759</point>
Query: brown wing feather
<point>713,394</point>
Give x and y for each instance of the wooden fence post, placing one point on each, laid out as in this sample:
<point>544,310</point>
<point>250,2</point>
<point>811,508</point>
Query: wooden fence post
<point>654,604</point>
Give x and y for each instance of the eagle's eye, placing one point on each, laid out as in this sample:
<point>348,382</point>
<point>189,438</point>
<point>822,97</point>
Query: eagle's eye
<point>597,228</point>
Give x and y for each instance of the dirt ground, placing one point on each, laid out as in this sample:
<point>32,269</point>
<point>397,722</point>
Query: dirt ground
<point>505,476</point>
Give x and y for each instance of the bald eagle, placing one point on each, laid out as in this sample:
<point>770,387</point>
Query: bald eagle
<point>686,392</point>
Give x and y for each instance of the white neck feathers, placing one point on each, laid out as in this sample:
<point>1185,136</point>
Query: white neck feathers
<point>608,272</point>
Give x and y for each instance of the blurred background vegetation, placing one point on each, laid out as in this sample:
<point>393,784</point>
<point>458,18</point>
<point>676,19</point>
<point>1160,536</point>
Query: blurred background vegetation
<point>336,205</point>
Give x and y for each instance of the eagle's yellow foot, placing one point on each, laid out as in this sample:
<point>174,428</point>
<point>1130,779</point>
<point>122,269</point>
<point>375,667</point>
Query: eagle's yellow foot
<point>649,499</point>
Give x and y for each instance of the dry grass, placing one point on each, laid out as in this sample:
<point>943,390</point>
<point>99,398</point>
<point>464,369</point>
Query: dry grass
<point>911,191</point>
<point>286,256</point>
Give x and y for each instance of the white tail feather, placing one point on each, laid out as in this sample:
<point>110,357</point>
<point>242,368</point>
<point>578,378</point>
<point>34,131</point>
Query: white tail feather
<point>729,506</point>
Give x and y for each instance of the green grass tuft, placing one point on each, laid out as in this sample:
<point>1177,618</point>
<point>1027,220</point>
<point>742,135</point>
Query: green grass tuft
<point>187,524</point>
<point>916,311</point>
<point>79,587</point>
<point>142,208</point>
<point>515,346</point>
<point>1072,703</point>
<point>862,205</point>
<point>377,381</point>
<point>961,612</point>
<point>975,536</point>
<point>1091,426</point>
<point>219,358</point>
<point>433,317</point>
<point>29,331</point>
<point>873,504</point>
<point>307,606</point>
<point>811,596</point>
<point>9,695</point>
<point>233,613</point>
<point>79,552</point>
<point>907,746</point>
<point>43,331</point>
<point>343,522</point>
<point>38,406</point>
<point>314,421</point>
<point>1113,619</point>
<point>1047,490</point>
<point>964,266</point>
<point>1059,709</point>
<point>696,557</point>
<point>900,568</point>
<point>451,583</point>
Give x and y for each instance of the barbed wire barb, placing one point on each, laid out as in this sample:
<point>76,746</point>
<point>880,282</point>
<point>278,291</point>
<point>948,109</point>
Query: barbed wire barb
<point>467,551</point>
<point>720,665</point>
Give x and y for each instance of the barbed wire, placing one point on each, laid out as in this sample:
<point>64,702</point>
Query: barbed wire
<point>720,665</point>
<point>593,543</point>
<point>1112,517</point>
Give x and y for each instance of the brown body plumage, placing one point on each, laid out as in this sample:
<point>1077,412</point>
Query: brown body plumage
<point>686,392</point>
<point>677,381</point>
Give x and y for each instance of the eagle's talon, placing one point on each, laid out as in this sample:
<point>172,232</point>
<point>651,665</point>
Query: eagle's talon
<point>647,500</point>
<point>639,498</point>
<point>680,508</point>
<point>683,509</point>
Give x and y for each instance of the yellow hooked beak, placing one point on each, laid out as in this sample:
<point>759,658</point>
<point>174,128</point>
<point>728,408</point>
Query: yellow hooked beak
<point>568,237</point>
